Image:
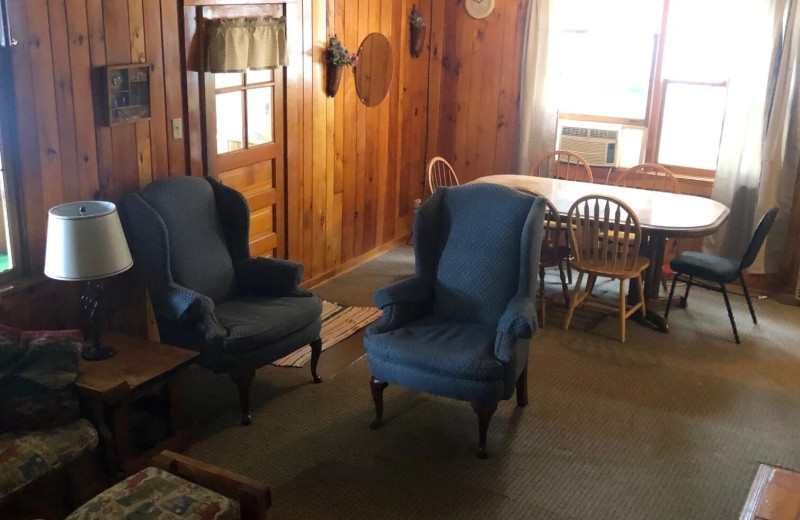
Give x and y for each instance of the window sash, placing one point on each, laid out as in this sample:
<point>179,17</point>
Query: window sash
<point>8,145</point>
<point>655,108</point>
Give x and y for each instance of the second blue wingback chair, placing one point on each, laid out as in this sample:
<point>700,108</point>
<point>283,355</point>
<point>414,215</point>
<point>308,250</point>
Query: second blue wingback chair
<point>190,237</point>
<point>461,326</point>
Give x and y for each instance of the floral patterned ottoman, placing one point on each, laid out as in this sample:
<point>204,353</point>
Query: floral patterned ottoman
<point>154,494</point>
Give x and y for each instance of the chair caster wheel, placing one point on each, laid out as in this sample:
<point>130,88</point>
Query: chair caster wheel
<point>246,420</point>
<point>376,424</point>
<point>482,453</point>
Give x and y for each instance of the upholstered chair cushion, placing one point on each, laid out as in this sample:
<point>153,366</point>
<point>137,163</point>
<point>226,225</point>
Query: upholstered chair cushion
<point>706,266</point>
<point>155,494</point>
<point>253,321</point>
<point>461,349</point>
<point>477,274</point>
<point>198,251</point>
<point>26,456</point>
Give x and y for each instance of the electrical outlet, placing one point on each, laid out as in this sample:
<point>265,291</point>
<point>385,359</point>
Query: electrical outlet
<point>177,128</point>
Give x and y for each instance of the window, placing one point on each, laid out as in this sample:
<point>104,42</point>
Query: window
<point>657,69</point>
<point>9,231</point>
<point>694,83</point>
<point>606,54</point>
<point>244,110</point>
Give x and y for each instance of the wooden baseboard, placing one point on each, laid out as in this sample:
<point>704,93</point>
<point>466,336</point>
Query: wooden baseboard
<point>355,262</point>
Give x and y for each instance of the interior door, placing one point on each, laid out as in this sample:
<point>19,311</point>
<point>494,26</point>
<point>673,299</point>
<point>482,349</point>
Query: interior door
<point>244,117</point>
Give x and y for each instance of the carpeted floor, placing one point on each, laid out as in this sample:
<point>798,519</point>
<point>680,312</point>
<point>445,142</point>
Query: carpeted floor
<point>663,427</point>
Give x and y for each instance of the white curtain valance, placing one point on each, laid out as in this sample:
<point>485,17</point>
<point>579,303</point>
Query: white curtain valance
<point>238,44</point>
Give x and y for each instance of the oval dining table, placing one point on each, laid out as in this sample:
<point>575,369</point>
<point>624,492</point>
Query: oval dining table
<point>661,215</point>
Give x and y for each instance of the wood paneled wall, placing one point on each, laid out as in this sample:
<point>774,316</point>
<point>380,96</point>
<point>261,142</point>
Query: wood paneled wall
<point>65,153</point>
<point>352,171</point>
<point>475,87</point>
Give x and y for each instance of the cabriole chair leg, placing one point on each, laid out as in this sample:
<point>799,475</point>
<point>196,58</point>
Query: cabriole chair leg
<point>316,350</point>
<point>377,388</point>
<point>243,383</point>
<point>522,388</point>
<point>484,412</point>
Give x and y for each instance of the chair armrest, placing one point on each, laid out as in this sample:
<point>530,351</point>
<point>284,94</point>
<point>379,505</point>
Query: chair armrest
<point>254,497</point>
<point>518,321</point>
<point>178,303</point>
<point>268,276</point>
<point>410,290</point>
<point>402,302</point>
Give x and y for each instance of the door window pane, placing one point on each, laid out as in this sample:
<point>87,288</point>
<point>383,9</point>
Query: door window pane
<point>259,76</point>
<point>259,116</point>
<point>228,79</point>
<point>691,125</point>
<point>230,124</point>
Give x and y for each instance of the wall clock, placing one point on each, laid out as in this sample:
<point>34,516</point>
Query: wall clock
<point>479,8</point>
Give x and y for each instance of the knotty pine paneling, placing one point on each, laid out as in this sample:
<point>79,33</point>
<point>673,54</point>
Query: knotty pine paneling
<point>352,171</point>
<point>64,155</point>
<point>475,74</point>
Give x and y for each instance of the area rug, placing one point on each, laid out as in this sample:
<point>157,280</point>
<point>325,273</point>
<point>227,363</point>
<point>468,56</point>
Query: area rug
<point>338,322</point>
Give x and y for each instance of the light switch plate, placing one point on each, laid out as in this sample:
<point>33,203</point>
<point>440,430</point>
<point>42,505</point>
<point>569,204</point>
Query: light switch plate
<point>177,128</point>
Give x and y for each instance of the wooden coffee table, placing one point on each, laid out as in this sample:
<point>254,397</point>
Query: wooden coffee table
<point>108,388</point>
<point>774,495</point>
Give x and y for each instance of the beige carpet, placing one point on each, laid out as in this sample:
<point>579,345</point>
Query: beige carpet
<point>663,427</point>
<point>338,322</point>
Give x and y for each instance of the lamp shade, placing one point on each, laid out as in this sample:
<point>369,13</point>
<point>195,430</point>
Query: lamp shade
<point>85,241</point>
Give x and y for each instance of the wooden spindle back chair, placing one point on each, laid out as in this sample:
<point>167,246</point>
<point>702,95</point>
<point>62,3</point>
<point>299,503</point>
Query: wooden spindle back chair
<point>649,176</point>
<point>554,252</point>
<point>605,238</point>
<point>441,173</point>
<point>562,164</point>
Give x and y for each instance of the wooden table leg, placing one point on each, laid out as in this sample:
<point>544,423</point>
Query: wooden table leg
<point>174,396</point>
<point>122,432</point>
<point>97,411</point>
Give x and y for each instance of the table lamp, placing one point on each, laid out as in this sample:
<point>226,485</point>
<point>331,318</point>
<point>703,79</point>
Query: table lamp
<point>85,242</point>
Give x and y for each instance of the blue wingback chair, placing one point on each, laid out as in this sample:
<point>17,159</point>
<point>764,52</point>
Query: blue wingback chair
<point>190,236</point>
<point>461,326</point>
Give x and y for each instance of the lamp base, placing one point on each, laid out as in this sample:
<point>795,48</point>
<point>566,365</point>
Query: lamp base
<point>96,352</point>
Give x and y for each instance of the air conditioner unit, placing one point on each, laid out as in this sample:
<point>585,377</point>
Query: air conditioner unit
<point>599,146</point>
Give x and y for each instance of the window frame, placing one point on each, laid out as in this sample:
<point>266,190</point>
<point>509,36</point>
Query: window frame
<point>687,171</point>
<point>655,106</point>
<point>573,116</point>
<point>8,148</point>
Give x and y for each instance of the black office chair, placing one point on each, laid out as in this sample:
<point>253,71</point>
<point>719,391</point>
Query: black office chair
<point>718,270</point>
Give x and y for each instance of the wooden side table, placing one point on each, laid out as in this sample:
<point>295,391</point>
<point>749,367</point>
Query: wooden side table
<point>109,387</point>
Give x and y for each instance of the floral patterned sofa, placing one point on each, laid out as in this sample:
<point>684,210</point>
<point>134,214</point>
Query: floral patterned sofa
<point>40,426</point>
